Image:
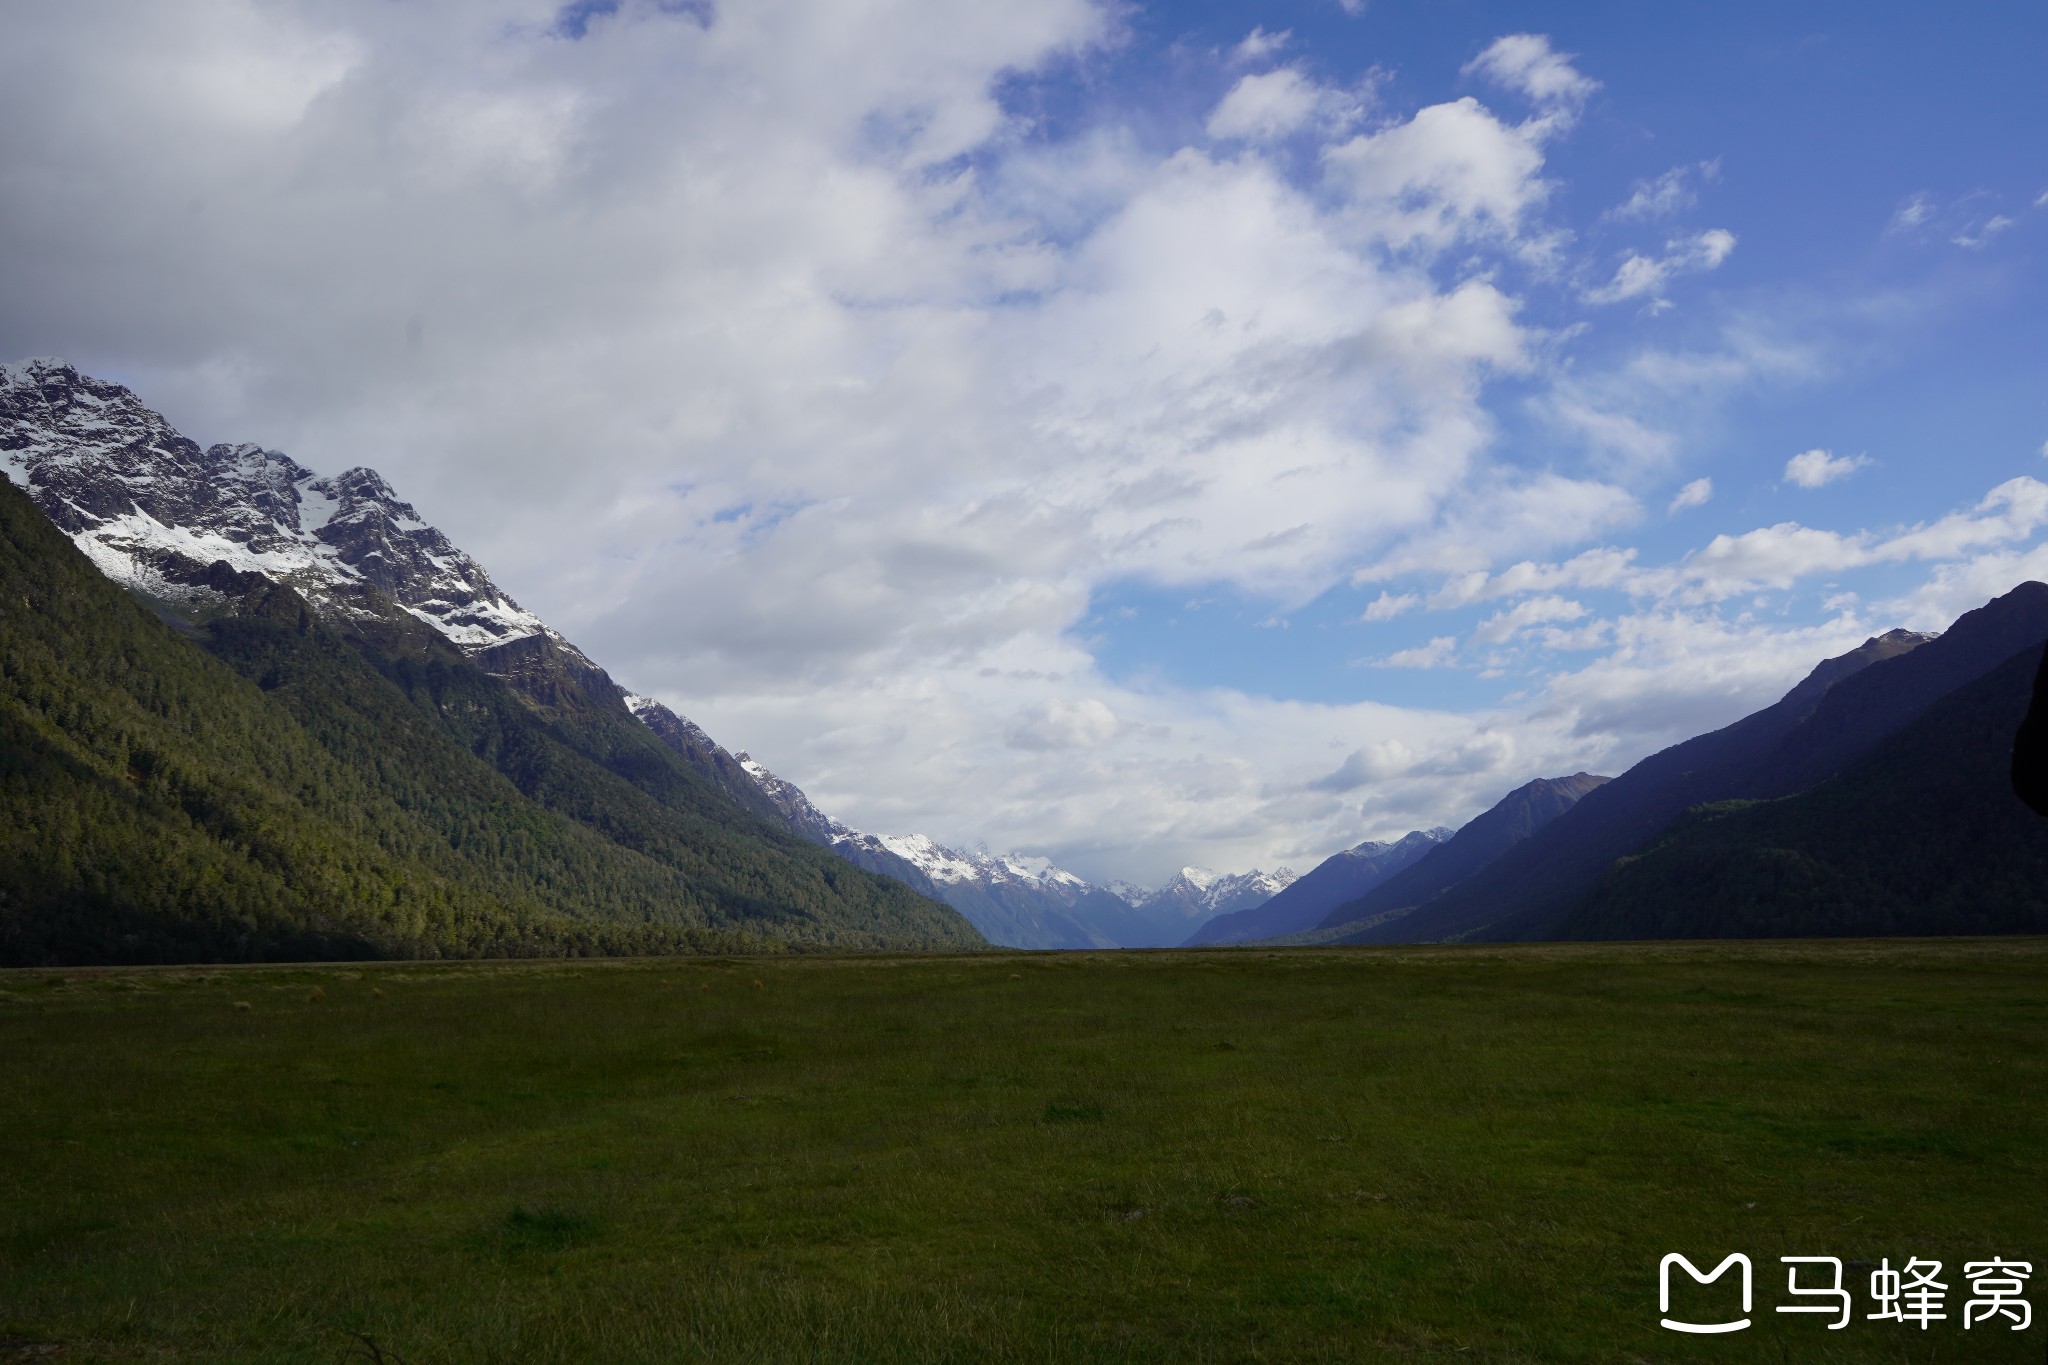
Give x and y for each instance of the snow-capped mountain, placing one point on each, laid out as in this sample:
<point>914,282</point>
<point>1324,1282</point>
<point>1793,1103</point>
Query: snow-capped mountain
<point>1167,916</point>
<point>191,526</point>
<point>1203,892</point>
<point>155,512</point>
<point>1341,877</point>
<point>1021,901</point>
<point>1016,900</point>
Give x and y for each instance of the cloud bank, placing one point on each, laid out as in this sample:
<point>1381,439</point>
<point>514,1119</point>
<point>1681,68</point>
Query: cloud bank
<point>784,359</point>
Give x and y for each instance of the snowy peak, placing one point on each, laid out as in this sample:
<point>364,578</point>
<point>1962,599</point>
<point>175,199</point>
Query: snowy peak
<point>1416,839</point>
<point>945,865</point>
<point>1201,892</point>
<point>154,511</point>
<point>1014,899</point>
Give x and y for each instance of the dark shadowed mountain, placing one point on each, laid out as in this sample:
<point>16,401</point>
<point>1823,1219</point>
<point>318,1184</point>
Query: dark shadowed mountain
<point>1920,835</point>
<point>1303,903</point>
<point>1485,837</point>
<point>1534,884</point>
<point>1528,891</point>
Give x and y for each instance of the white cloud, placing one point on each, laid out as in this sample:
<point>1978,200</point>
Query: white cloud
<point>1681,672</point>
<point>1915,210</point>
<point>1640,275</point>
<point>1275,103</point>
<point>1977,235</point>
<point>1526,62</point>
<point>1451,172</point>
<point>1768,558</point>
<point>1667,194</point>
<point>1436,654</point>
<point>696,332</point>
<point>1085,724</point>
<point>1694,494</point>
<point>762,352</point>
<point>1387,606</point>
<point>1528,613</point>
<point>1259,45</point>
<point>1813,468</point>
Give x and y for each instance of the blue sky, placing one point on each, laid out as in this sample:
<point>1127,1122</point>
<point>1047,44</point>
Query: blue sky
<point>1137,434</point>
<point>1807,135</point>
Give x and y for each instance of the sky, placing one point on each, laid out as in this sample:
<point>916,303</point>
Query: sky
<point>1134,434</point>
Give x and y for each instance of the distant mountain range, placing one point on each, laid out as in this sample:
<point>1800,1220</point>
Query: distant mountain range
<point>1303,904</point>
<point>311,726</point>
<point>1014,899</point>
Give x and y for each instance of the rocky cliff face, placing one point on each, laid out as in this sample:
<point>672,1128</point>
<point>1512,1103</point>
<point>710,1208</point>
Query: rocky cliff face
<point>156,512</point>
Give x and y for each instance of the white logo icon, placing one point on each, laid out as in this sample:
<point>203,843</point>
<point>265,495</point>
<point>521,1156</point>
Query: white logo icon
<point>1702,1328</point>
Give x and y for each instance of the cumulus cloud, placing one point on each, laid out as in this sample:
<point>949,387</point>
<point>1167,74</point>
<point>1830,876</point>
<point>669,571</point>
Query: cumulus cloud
<point>1694,494</point>
<point>1813,468</point>
<point>767,353</point>
<point>1451,172</point>
<point>1526,62</point>
<point>1531,612</point>
<point>1436,654</point>
<point>1275,103</point>
<point>1767,558</point>
<point>754,347</point>
<point>1387,606</point>
<point>1258,45</point>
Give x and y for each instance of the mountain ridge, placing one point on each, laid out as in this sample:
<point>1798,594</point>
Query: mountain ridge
<point>1303,902</point>
<point>1478,842</point>
<point>1015,899</point>
<point>394,653</point>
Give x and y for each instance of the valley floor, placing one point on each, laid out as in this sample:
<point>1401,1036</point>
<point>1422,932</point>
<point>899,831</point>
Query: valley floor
<point>1471,1153</point>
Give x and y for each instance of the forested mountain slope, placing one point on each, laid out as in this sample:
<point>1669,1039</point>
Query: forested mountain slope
<point>1527,890</point>
<point>1477,842</point>
<point>1921,835</point>
<point>264,784</point>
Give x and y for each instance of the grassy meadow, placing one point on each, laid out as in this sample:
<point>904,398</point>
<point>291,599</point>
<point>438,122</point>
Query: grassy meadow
<point>1469,1153</point>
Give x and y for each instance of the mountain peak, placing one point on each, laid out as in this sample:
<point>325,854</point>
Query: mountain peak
<point>1828,672</point>
<point>155,512</point>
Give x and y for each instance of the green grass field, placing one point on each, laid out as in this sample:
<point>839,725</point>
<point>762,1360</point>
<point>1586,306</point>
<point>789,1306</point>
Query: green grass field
<point>1440,1153</point>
